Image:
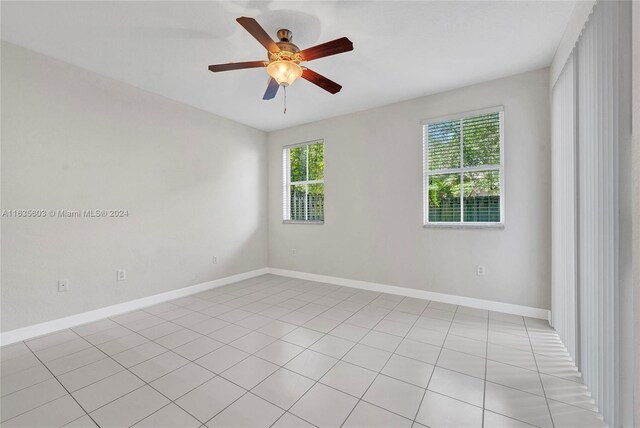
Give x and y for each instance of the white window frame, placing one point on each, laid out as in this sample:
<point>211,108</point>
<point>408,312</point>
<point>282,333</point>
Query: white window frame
<point>461,170</point>
<point>286,182</point>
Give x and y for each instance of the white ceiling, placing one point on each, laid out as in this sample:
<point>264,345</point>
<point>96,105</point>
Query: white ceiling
<point>402,50</point>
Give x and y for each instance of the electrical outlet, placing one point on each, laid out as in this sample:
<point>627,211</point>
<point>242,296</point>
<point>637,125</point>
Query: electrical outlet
<point>121,275</point>
<point>294,252</point>
<point>480,271</point>
<point>63,285</point>
<point>215,260</point>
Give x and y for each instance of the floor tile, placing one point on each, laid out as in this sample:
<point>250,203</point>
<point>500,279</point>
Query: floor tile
<point>366,415</point>
<point>89,374</point>
<point>51,340</point>
<point>466,345</point>
<point>302,337</point>
<point>53,414</point>
<point>62,350</point>
<point>132,408</point>
<point>182,380</point>
<point>277,328</point>
<point>517,404</point>
<point>346,377</point>
<point>283,388</point>
<point>408,370</point>
<point>514,377</point>
<point>24,379</point>
<point>440,411</point>
<point>29,398</point>
<point>254,321</point>
<point>156,367</point>
<point>95,327</point>
<point>433,324</point>
<point>418,351</point>
<point>107,335</point>
<point>463,363</point>
<point>392,327</point>
<point>121,344</point>
<point>324,406</point>
<point>170,416</point>
<point>333,346</point>
<point>368,357</point>
<point>568,392</point>
<point>349,332</point>
<point>290,421</point>
<point>248,411</point>
<point>229,333</point>
<point>140,353</point>
<point>384,341</point>
<point>252,342</point>
<point>82,422</point>
<point>73,361</point>
<point>279,352</point>
<point>221,359</point>
<point>234,315</point>
<point>567,416</point>
<point>507,355</point>
<point>494,420</point>
<point>198,348</point>
<point>311,364</point>
<point>102,392</point>
<point>323,325</point>
<point>457,385</point>
<point>209,326</point>
<point>394,395</point>
<point>354,343</point>
<point>177,338</point>
<point>425,335</point>
<point>159,330</point>
<point>18,364</point>
<point>210,398</point>
<point>249,372</point>
<point>191,319</point>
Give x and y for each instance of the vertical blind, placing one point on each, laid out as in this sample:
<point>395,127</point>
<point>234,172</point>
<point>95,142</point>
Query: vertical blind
<point>586,139</point>
<point>563,208</point>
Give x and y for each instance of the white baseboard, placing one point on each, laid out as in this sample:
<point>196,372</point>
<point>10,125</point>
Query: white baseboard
<point>508,308</point>
<point>47,327</point>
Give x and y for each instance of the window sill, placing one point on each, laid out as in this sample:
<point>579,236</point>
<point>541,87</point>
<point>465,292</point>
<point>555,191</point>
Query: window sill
<point>463,226</point>
<point>302,222</point>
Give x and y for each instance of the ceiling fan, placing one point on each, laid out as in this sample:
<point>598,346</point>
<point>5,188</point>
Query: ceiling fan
<point>284,59</point>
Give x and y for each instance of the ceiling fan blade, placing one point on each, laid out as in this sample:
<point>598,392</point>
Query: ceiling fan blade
<point>327,49</point>
<point>320,80</point>
<point>252,26</point>
<point>272,89</point>
<point>236,66</point>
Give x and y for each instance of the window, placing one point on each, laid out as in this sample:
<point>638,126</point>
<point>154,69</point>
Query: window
<point>463,174</point>
<point>304,183</point>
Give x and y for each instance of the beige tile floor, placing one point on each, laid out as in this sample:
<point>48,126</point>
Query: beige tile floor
<point>280,352</point>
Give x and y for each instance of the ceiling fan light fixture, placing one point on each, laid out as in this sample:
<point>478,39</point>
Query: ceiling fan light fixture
<point>284,72</point>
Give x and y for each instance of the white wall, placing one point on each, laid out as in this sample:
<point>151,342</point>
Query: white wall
<point>194,185</point>
<point>373,219</point>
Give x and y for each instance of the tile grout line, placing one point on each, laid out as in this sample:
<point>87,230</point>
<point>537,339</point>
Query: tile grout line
<point>535,360</point>
<point>435,365</point>
<point>64,387</point>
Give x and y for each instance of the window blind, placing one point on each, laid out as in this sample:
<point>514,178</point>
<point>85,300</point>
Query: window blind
<point>463,168</point>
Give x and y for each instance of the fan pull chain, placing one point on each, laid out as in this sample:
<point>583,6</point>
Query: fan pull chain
<point>285,99</point>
